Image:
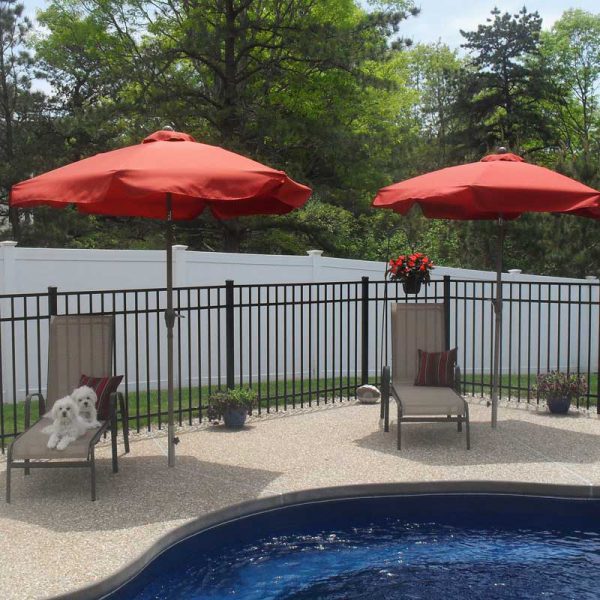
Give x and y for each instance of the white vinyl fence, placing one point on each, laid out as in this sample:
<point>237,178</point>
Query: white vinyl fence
<point>281,331</point>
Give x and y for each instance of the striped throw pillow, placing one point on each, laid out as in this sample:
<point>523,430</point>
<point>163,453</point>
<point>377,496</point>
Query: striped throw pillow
<point>104,387</point>
<point>436,368</point>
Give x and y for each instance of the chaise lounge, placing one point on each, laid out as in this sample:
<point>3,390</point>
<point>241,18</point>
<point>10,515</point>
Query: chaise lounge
<point>419,335</point>
<point>78,344</point>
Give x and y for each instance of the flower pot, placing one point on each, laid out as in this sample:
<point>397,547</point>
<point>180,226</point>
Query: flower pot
<point>558,404</point>
<point>234,418</point>
<point>412,285</point>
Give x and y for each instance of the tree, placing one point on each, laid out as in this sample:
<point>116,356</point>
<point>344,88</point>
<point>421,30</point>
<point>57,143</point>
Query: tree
<point>502,92</point>
<point>19,107</point>
<point>311,87</point>
<point>573,51</point>
<point>435,71</point>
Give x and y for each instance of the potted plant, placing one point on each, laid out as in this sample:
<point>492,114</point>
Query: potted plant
<point>559,389</point>
<point>232,405</point>
<point>412,270</point>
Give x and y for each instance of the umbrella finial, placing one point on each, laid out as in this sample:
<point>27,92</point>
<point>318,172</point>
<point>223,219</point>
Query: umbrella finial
<point>502,150</point>
<point>168,134</point>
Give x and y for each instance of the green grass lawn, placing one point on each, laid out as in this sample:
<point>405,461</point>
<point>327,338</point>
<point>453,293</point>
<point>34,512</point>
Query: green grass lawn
<point>273,395</point>
<point>150,408</point>
<point>514,382</point>
<point>519,386</point>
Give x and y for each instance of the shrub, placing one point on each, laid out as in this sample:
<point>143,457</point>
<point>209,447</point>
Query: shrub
<point>558,384</point>
<point>234,398</point>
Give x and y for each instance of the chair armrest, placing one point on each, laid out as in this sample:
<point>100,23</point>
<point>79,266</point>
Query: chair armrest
<point>42,407</point>
<point>385,388</point>
<point>120,397</point>
<point>385,397</point>
<point>457,381</point>
<point>112,406</point>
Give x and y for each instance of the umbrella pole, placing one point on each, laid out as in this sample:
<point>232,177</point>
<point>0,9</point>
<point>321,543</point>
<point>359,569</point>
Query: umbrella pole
<point>170,322</point>
<point>498,323</point>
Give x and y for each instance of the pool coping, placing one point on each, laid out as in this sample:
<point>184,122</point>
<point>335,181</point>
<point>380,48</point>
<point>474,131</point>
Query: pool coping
<point>102,588</point>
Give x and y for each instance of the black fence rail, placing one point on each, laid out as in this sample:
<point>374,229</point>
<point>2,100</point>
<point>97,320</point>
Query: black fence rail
<point>299,344</point>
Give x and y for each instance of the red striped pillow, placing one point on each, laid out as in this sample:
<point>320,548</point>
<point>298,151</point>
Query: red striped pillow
<point>436,368</point>
<point>104,387</point>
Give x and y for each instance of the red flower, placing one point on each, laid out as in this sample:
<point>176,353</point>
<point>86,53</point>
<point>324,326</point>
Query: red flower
<point>407,265</point>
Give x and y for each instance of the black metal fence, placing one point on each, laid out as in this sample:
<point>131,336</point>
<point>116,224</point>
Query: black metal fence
<point>299,344</point>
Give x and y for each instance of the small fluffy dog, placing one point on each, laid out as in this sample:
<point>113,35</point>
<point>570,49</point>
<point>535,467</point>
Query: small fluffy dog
<point>67,425</point>
<point>86,400</point>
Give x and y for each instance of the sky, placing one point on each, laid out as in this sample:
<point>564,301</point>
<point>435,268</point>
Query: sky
<point>443,19</point>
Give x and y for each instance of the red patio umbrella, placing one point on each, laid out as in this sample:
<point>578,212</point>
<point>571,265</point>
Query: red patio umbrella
<point>500,187</point>
<point>168,176</point>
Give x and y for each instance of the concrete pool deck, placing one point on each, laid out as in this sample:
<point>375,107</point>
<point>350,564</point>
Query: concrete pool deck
<point>55,540</point>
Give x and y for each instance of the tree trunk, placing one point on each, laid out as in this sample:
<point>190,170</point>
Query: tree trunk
<point>229,120</point>
<point>232,236</point>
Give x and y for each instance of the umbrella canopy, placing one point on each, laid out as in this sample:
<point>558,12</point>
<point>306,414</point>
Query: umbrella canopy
<point>168,176</point>
<point>499,187</point>
<point>134,181</point>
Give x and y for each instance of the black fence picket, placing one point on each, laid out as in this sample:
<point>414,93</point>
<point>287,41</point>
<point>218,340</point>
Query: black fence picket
<point>299,344</point>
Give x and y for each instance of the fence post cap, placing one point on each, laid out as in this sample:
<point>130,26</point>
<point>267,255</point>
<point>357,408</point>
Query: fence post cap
<point>8,243</point>
<point>179,247</point>
<point>591,277</point>
<point>314,252</point>
<point>515,271</point>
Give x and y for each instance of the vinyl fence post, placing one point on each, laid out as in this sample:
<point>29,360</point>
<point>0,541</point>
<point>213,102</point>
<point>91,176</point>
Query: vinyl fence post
<point>229,333</point>
<point>52,301</point>
<point>365,331</point>
<point>447,310</point>
<point>8,267</point>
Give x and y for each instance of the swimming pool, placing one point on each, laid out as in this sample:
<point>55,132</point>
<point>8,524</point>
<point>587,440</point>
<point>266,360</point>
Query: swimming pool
<point>406,546</point>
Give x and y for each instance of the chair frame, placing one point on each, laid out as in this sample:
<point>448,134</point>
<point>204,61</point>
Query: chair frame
<point>90,463</point>
<point>388,389</point>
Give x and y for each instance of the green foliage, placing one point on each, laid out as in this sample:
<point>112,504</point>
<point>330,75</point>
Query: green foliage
<point>572,51</point>
<point>557,385</point>
<point>19,108</point>
<point>232,399</point>
<point>332,92</point>
<point>435,77</point>
<point>501,91</point>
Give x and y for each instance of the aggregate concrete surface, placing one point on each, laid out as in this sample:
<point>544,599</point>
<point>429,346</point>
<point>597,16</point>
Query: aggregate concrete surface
<point>55,540</point>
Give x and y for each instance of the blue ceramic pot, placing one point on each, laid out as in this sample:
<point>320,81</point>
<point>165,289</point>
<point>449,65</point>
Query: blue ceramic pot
<point>234,418</point>
<point>558,404</point>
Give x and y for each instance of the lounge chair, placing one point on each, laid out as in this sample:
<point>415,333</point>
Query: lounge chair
<point>420,327</point>
<point>78,344</point>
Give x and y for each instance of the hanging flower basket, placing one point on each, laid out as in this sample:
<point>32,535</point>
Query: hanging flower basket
<point>412,270</point>
<point>412,285</point>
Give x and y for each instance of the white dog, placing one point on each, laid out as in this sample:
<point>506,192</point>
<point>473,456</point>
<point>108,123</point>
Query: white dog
<point>86,400</point>
<point>67,425</point>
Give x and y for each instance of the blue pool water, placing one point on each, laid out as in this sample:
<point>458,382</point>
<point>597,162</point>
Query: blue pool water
<point>401,547</point>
